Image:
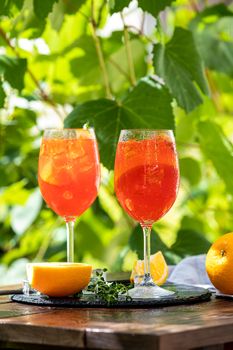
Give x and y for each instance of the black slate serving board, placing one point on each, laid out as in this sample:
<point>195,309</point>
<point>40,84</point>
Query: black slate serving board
<point>184,294</point>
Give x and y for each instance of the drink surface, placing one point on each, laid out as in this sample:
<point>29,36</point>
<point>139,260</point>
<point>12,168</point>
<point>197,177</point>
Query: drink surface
<point>69,174</point>
<point>146,177</point>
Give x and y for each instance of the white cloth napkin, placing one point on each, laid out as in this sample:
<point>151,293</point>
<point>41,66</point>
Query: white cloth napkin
<point>192,271</point>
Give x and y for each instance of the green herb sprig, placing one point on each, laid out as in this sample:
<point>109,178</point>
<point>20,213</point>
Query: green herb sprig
<point>107,291</point>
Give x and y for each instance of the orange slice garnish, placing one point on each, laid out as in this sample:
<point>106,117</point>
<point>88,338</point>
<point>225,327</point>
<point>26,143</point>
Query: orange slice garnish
<point>158,269</point>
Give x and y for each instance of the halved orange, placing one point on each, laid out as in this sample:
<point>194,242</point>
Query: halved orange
<point>158,269</point>
<point>58,279</point>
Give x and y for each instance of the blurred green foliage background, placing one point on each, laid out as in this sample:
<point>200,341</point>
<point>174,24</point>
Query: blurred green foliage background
<point>154,64</point>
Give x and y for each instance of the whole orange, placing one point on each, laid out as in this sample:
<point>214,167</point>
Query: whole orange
<point>219,263</point>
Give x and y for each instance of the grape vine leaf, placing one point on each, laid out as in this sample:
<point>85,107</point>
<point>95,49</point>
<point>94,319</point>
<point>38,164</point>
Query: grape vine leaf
<point>56,17</point>
<point>189,222</point>
<point>7,5</point>
<point>154,6</point>
<point>102,214</point>
<point>118,5</point>
<point>86,67</point>
<point>2,96</point>
<point>4,7</point>
<point>72,6</point>
<point>218,149</point>
<point>179,64</point>
<point>60,9</point>
<point>217,38</point>
<point>43,8</point>
<point>13,70</point>
<point>88,241</point>
<point>212,33</point>
<point>148,105</point>
<point>190,169</point>
<point>151,6</point>
<point>211,12</point>
<point>190,242</point>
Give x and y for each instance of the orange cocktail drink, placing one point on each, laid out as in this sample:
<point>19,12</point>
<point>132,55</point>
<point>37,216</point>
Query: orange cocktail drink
<point>146,184</point>
<point>69,174</point>
<point>146,177</point>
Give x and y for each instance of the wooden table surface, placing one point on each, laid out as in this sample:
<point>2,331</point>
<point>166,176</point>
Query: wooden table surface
<point>207,325</point>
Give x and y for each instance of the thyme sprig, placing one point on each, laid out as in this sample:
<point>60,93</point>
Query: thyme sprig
<point>109,292</point>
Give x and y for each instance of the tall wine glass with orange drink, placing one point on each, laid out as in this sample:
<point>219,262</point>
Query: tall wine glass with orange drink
<point>146,185</point>
<point>69,175</point>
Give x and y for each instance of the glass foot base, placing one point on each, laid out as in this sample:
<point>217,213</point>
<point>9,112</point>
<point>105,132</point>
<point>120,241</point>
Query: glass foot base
<point>149,292</point>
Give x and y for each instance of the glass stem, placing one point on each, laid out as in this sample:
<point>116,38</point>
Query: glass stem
<point>70,241</point>
<point>146,236</point>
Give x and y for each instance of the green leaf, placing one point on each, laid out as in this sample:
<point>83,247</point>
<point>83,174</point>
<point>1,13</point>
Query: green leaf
<point>6,6</point>
<point>179,64</point>
<point>154,6</point>
<point>88,241</point>
<point>190,242</point>
<point>209,14</point>
<point>192,223</point>
<point>72,6</point>
<point>56,17</point>
<point>196,200</point>
<point>60,9</point>
<point>2,5</point>
<point>151,6</point>
<point>212,29</point>
<point>9,173</point>
<point>24,119</point>
<point>148,105</point>
<point>43,8</point>
<point>217,38</point>
<point>102,215</point>
<point>7,235</point>
<point>23,216</point>
<point>86,67</point>
<point>31,26</point>
<point>2,96</point>
<point>13,70</point>
<point>218,149</point>
<point>118,5</point>
<point>190,169</point>
<point>14,194</point>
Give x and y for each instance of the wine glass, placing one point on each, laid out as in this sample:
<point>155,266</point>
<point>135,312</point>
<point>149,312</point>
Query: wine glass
<point>146,184</point>
<point>69,175</point>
